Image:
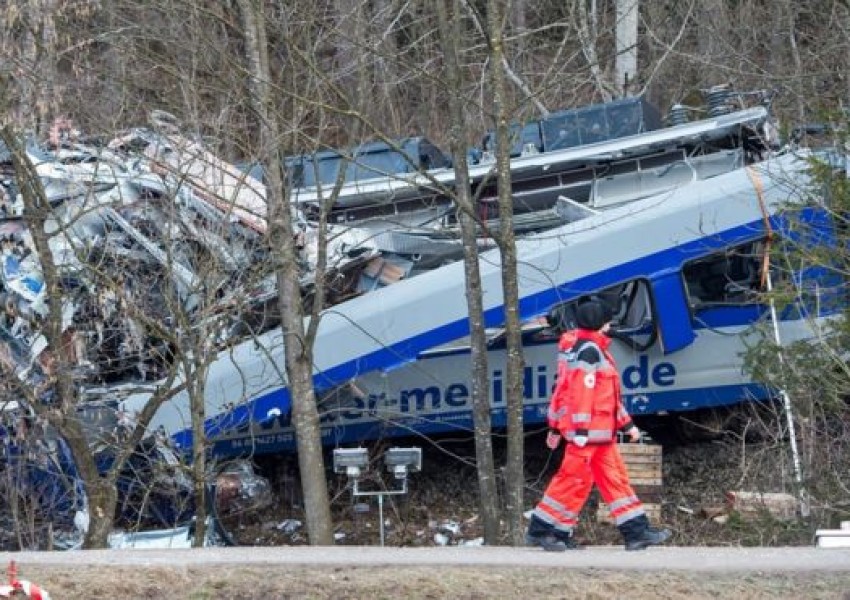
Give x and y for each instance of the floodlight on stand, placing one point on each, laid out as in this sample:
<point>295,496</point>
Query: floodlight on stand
<point>401,461</point>
<point>350,461</point>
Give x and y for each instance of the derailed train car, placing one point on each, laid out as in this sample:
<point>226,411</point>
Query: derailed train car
<point>668,224</point>
<point>672,227</point>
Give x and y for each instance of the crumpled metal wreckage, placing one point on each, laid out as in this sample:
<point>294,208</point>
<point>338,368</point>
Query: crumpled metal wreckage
<point>152,210</point>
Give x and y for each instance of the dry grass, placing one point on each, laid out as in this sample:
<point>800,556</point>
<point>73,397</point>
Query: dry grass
<point>233,582</point>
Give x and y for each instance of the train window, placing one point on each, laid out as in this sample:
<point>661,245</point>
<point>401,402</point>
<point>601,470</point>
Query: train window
<point>731,276</point>
<point>630,302</point>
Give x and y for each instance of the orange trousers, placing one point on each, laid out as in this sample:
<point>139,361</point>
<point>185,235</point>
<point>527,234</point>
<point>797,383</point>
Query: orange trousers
<point>570,486</point>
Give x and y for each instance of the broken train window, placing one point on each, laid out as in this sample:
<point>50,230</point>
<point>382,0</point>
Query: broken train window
<point>630,303</point>
<point>731,276</point>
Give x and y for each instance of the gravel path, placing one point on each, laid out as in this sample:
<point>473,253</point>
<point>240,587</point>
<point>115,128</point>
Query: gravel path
<point>690,559</point>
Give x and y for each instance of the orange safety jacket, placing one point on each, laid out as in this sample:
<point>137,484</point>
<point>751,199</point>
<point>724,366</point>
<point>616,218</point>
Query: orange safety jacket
<point>587,399</point>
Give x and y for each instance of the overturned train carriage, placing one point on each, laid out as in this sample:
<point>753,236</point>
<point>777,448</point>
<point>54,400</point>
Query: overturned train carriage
<point>683,268</point>
<point>667,223</point>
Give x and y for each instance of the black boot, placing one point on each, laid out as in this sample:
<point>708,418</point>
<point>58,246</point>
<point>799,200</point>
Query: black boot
<point>638,535</point>
<point>569,540</point>
<point>542,534</point>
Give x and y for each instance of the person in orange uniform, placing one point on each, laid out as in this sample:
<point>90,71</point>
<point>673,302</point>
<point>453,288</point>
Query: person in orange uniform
<point>586,410</point>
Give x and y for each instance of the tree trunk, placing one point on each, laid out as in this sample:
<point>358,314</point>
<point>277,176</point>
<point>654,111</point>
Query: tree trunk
<point>508,70</point>
<point>488,500</point>
<point>385,73</point>
<point>626,61</point>
<point>514,476</point>
<point>844,94</point>
<point>26,80</point>
<point>588,34</point>
<point>102,501</point>
<point>351,55</point>
<point>794,48</point>
<point>48,105</point>
<point>38,80</point>
<point>197,406</point>
<point>519,34</point>
<point>297,354</point>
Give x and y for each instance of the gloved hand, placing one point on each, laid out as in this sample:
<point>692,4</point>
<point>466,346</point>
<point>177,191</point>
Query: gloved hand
<point>634,434</point>
<point>553,438</point>
<point>580,441</point>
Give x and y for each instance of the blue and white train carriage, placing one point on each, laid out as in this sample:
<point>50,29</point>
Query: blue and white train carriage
<point>681,267</point>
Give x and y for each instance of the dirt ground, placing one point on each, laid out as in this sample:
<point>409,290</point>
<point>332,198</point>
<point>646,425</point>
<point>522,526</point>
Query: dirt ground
<point>199,583</point>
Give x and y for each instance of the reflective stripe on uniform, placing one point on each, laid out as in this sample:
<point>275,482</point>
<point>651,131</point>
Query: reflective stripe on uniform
<point>629,515</point>
<point>596,435</point>
<point>622,502</point>
<point>559,509</point>
<point>552,521</point>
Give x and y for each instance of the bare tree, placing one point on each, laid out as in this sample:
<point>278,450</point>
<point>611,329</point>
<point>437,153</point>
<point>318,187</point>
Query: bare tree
<point>514,474</point>
<point>298,349</point>
<point>588,33</point>
<point>626,51</point>
<point>450,35</point>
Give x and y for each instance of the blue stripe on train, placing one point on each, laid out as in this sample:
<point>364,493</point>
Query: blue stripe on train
<point>460,421</point>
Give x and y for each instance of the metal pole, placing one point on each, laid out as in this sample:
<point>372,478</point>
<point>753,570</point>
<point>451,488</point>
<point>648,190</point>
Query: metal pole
<point>786,405</point>
<point>356,491</point>
<point>381,516</point>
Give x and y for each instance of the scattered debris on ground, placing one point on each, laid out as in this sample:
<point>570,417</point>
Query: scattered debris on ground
<point>441,506</point>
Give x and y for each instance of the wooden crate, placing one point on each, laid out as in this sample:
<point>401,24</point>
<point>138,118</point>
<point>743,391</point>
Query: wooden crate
<point>653,513</point>
<point>643,462</point>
